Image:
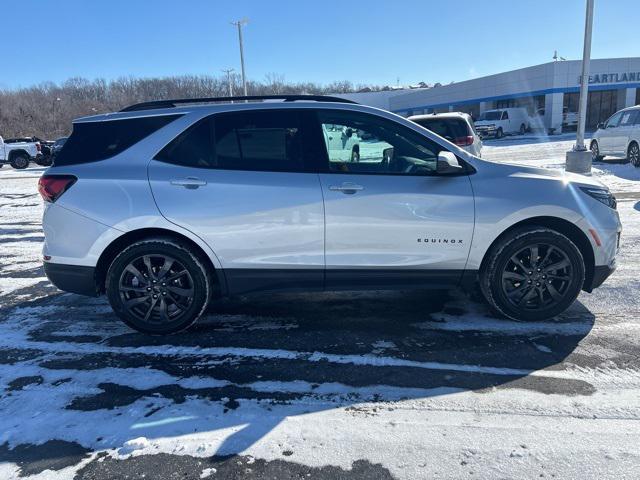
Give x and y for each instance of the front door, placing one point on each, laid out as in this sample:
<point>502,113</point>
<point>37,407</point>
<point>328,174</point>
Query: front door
<point>390,219</point>
<point>239,181</point>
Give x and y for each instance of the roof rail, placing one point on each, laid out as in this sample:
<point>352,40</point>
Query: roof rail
<point>179,101</point>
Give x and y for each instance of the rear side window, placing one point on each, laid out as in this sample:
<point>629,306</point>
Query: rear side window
<point>94,141</point>
<point>449,128</point>
<point>629,117</point>
<point>267,140</point>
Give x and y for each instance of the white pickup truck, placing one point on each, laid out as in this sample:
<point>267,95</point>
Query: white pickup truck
<point>18,154</point>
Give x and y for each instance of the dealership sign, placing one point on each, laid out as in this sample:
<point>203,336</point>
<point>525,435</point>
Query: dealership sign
<point>613,77</point>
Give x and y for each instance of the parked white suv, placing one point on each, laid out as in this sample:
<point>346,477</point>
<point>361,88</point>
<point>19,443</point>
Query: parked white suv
<point>619,136</point>
<point>503,121</point>
<point>457,127</point>
<point>167,205</point>
<point>18,154</point>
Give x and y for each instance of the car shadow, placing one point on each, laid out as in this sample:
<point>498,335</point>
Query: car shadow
<point>287,355</point>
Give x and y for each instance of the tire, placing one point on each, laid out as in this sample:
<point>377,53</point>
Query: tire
<point>19,162</point>
<point>518,290</point>
<point>595,152</point>
<point>155,308</point>
<point>499,133</point>
<point>523,129</point>
<point>355,155</point>
<point>633,154</point>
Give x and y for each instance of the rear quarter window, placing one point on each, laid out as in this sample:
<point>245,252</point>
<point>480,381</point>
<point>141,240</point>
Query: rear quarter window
<point>95,141</point>
<point>448,128</point>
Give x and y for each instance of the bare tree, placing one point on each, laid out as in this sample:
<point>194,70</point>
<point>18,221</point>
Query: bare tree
<point>47,110</point>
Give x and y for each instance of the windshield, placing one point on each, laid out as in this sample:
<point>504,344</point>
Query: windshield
<point>491,115</point>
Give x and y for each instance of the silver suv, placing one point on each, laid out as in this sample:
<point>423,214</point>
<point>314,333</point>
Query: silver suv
<point>167,205</point>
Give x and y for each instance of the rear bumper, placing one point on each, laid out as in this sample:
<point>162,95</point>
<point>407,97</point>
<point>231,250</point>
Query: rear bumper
<point>600,274</point>
<point>72,278</point>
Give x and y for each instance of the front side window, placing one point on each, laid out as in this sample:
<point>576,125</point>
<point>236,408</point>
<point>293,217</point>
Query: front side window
<point>363,143</point>
<point>266,140</point>
<point>505,115</point>
<point>614,120</point>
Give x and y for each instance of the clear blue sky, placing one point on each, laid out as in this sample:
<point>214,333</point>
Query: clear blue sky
<point>373,41</point>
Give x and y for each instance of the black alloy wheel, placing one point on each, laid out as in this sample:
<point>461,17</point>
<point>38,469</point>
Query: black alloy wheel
<point>595,152</point>
<point>633,154</point>
<point>158,286</point>
<point>532,273</point>
<point>537,276</point>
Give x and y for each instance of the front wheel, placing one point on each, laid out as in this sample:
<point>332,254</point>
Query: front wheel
<point>523,129</point>
<point>20,162</point>
<point>158,286</point>
<point>595,152</point>
<point>534,273</point>
<point>499,133</point>
<point>633,154</point>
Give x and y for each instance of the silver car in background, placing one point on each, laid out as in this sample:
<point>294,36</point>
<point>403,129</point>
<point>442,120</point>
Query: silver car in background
<point>168,205</point>
<point>619,136</point>
<point>457,127</point>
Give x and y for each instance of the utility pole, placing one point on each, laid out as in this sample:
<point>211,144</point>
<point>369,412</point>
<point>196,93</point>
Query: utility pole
<point>229,71</point>
<point>53,108</point>
<point>240,24</point>
<point>579,159</point>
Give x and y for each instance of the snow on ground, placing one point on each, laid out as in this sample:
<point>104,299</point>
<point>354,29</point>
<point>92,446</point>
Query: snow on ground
<point>335,385</point>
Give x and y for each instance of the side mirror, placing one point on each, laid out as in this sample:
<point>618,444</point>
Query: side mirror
<point>348,132</point>
<point>447,163</point>
<point>600,126</point>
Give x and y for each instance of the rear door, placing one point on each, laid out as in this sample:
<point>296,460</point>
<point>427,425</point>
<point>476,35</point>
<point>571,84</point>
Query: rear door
<point>390,220</point>
<point>625,131</point>
<point>239,181</point>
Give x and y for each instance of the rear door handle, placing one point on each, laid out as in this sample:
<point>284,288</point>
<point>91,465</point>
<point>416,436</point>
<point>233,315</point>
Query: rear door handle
<point>346,188</point>
<point>189,182</point>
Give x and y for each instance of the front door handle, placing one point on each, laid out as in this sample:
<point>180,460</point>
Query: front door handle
<point>189,182</point>
<point>346,188</point>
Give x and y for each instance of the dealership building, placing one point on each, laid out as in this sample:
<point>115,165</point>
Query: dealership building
<point>550,88</point>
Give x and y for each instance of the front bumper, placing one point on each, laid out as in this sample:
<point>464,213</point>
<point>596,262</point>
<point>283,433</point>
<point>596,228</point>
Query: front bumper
<point>600,274</point>
<point>72,278</point>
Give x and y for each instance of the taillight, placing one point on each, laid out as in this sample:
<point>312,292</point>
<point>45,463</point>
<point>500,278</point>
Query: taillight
<point>463,141</point>
<point>51,187</point>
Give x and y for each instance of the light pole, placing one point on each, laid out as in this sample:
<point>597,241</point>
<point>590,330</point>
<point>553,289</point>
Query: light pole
<point>240,24</point>
<point>229,71</point>
<point>53,107</point>
<point>579,159</point>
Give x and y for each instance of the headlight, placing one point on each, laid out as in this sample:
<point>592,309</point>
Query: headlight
<point>602,195</point>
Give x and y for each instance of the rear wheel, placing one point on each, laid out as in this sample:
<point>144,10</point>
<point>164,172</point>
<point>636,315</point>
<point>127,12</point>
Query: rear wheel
<point>158,286</point>
<point>595,152</point>
<point>19,162</point>
<point>534,273</point>
<point>633,154</point>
